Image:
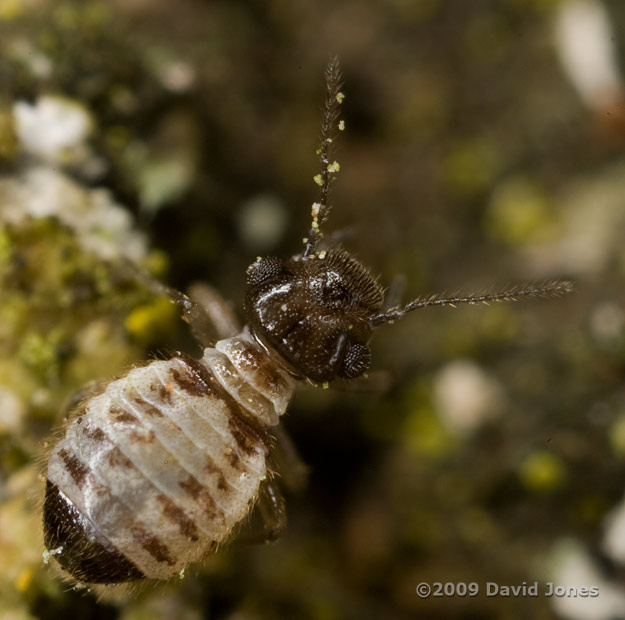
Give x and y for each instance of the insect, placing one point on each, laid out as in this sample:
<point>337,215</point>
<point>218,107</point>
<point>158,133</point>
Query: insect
<point>162,465</point>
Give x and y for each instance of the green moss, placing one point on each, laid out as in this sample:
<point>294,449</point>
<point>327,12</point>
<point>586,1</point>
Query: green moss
<point>469,167</point>
<point>62,312</point>
<point>39,352</point>
<point>422,431</point>
<point>617,436</point>
<point>11,9</point>
<point>9,145</point>
<point>5,248</point>
<point>519,212</point>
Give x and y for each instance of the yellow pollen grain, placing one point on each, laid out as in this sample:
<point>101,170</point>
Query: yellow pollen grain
<point>334,166</point>
<point>318,179</point>
<point>340,97</point>
<point>341,125</point>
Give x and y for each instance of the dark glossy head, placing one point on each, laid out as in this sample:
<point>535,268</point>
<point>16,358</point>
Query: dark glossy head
<point>314,312</point>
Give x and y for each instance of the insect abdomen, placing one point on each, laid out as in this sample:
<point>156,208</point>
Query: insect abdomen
<point>155,472</point>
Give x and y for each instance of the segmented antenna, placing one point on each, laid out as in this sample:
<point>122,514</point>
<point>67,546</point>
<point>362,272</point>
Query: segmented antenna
<point>555,288</point>
<point>329,167</point>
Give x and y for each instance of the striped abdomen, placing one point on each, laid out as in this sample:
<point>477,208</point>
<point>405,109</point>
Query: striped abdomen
<point>158,469</point>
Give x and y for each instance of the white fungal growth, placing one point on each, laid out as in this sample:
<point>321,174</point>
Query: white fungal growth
<point>47,555</point>
<point>316,207</point>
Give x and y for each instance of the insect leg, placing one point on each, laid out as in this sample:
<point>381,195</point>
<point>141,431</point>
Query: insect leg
<point>287,461</point>
<point>205,311</point>
<point>224,321</point>
<point>272,511</point>
<point>268,518</point>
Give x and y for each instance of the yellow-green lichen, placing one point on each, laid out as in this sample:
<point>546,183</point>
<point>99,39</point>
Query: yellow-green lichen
<point>542,472</point>
<point>519,212</point>
<point>9,145</point>
<point>616,434</point>
<point>469,167</point>
<point>149,322</point>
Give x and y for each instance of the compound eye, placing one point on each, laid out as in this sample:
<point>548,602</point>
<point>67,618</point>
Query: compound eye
<point>357,360</point>
<point>263,270</point>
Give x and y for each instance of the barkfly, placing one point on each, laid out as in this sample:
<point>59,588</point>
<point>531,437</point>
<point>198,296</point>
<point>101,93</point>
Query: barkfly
<point>161,466</point>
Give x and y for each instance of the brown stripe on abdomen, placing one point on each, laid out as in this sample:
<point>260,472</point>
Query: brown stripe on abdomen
<point>176,515</point>
<point>152,544</point>
<point>75,468</point>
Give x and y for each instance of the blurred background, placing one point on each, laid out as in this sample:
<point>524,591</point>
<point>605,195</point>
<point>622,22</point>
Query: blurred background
<point>484,146</point>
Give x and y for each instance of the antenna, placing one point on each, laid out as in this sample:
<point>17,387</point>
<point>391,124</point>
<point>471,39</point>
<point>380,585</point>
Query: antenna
<point>329,167</point>
<point>555,288</point>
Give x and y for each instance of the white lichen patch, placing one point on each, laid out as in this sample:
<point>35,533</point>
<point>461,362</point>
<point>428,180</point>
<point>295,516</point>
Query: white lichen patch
<point>466,396</point>
<point>54,129</point>
<point>586,45</point>
<point>12,411</point>
<point>262,221</point>
<point>102,226</point>
<point>26,54</point>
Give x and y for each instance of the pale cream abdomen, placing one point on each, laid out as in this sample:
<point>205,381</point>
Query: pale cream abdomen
<point>167,460</point>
